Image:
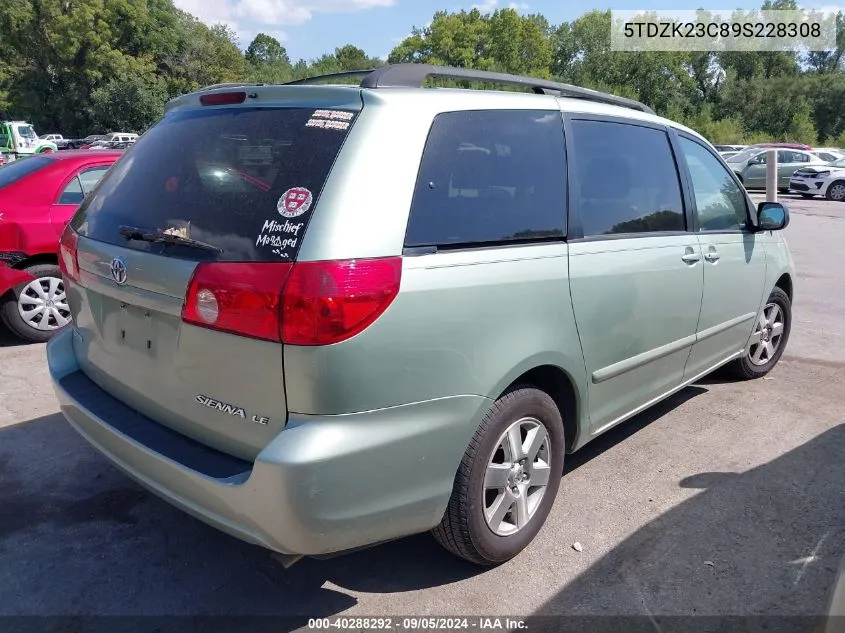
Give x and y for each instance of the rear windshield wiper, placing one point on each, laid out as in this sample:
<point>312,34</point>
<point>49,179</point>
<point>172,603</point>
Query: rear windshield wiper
<point>159,236</point>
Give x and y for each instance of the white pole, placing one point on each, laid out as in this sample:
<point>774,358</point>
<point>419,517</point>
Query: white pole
<point>772,176</point>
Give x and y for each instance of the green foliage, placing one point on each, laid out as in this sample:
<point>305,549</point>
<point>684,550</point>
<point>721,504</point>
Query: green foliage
<point>267,61</point>
<point>82,66</point>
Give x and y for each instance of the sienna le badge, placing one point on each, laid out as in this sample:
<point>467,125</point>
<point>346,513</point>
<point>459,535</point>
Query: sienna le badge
<point>294,202</point>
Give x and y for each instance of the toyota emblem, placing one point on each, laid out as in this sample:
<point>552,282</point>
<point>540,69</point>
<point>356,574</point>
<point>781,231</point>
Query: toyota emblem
<point>118,270</point>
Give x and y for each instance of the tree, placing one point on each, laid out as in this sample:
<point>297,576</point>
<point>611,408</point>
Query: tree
<point>265,50</point>
<point>352,58</point>
<point>267,61</point>
<point>801,128</point>
<point>128,103</point>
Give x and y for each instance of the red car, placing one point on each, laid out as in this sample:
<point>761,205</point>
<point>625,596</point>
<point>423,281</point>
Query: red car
<point>38,196</point>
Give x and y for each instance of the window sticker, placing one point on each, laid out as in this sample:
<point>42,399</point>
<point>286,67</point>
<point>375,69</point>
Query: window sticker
<point>294,202</point>
<point>282,237</point>
<point>331,120</point>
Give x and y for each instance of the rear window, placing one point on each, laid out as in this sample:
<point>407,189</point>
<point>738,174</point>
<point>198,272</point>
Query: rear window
<point>244,180</point>
<point>12,172</point>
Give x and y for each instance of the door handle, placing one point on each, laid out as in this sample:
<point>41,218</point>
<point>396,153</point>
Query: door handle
<point>691,258</point>
<point>712,257</point>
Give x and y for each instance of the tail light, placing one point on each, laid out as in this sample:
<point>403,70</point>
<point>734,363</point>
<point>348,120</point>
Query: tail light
<point>238,298</point>
<point>329,302</point>
<point>307,303</point>
<point>68,260</point>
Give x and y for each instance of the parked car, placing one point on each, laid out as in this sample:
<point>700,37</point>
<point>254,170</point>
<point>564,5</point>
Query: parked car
<point>63,143</point>
<point>89,140</point>
<point>727,155</point>
<point>729,148</point>
<point>750,166</point>
<point>37,198</point>
<point>820,180</point>
<point>101,145</point>
<point>800,146</point>
<point>828,155</point>
<point>120,137</point>
<point>408,317</point>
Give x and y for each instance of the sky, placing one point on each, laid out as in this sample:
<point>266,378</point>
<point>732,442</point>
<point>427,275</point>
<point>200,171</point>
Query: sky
<point>309,28</point>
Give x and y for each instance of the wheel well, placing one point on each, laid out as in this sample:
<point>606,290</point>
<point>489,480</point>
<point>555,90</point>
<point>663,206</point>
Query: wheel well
<point>785,284</point>
<point>44,258</point>
<point>557,383</point>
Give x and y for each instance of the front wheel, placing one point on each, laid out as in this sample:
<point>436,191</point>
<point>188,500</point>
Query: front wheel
<point>37,310</point>
<point>771,333</point>
<point>836,191</point>
<point>507,480</point>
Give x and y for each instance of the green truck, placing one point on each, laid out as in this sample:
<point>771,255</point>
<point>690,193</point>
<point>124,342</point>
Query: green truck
<point>18,140</point>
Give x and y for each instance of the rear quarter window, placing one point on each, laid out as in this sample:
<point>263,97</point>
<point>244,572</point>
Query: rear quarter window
<point>490,177</point>
<point>245,180</point>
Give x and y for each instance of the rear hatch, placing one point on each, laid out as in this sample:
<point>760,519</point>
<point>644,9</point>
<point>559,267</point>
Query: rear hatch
<point>224,189</point>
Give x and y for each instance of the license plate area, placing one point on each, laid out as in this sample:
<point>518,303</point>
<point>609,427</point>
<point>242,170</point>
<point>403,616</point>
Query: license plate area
<point>137,328</point>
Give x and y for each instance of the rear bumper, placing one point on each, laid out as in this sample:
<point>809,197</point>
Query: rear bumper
<point>325,484</point>
<point>11,277</point>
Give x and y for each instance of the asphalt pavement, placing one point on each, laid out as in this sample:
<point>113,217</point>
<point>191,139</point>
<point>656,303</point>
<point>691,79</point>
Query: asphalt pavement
<point>728,499</point>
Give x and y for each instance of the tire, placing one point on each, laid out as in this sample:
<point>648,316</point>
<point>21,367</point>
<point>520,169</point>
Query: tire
<point>836,191</point>
<point>10,312</point>
<point>747,368</point>
<point>464,529</point>
<point>783,190</point>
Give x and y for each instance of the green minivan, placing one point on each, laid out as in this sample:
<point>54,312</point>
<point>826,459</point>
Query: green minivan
<point>322,316</point>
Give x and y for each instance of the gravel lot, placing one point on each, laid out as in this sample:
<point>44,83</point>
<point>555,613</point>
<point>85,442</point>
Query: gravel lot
<point>727,499</point>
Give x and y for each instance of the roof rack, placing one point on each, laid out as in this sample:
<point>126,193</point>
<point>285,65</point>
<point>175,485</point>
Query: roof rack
<point>415,75</point>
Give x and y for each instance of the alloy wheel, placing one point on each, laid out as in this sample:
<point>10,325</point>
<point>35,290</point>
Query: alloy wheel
<point>768,332</point>
<point>517,476</point>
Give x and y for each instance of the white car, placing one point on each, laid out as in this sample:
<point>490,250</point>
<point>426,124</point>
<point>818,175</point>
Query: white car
<point>820,180</point>
<point>120,137</point>
<point>828,155</point>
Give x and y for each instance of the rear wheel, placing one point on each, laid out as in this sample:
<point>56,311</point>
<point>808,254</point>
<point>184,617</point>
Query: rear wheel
<point>771,333</point>
<point>836,191</point>
<point>507,480</point>
<point>36,310</point>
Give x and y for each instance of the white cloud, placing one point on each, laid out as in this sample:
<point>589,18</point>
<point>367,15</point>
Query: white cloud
<point>488,6</point>
<point>248,17</point>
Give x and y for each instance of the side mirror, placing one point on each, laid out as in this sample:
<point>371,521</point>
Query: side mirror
<point>772,216</point>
